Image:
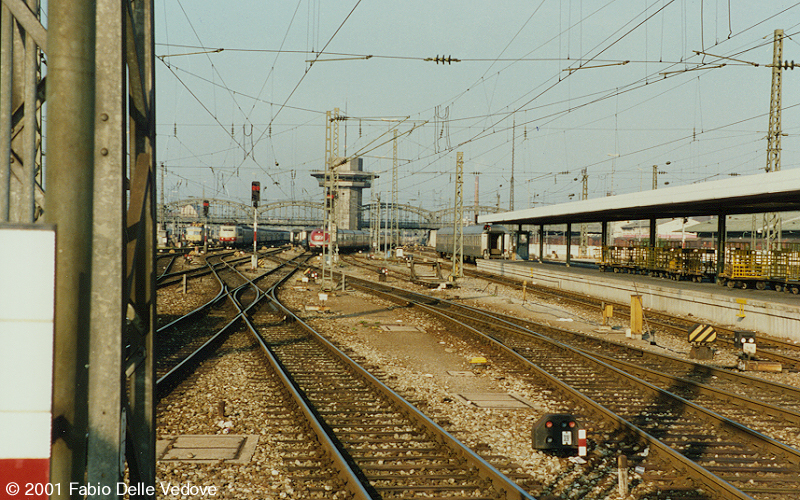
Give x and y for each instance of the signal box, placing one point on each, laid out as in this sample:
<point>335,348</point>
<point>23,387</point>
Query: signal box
<point>559,431</point>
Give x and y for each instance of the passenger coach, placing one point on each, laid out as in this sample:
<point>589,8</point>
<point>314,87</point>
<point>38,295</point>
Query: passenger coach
<point>480,242</point>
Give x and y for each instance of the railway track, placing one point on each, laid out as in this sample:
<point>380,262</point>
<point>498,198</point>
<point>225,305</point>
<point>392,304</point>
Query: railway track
<point>186,339</point>
<point>770,408</point>
<point>722,457</point>
<point>375,443</point>
<point>786,353</point>
<point>396,450</point>
<point>772,349</point>
<point>166,278</point>
<point>318,471</point>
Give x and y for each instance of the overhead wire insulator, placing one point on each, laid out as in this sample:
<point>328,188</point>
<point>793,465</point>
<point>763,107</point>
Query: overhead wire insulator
<point>442,59</point>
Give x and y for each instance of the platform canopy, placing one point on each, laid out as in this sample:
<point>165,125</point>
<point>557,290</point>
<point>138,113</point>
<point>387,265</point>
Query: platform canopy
<point>768,192</point>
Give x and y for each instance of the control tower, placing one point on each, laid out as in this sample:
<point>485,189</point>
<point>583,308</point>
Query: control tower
<point>352,179</point>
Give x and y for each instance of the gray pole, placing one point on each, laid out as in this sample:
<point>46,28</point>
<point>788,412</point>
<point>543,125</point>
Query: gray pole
<point>254,259</point>
<point>6,55</point>
<point>70,178</point>
<point>106,442</point>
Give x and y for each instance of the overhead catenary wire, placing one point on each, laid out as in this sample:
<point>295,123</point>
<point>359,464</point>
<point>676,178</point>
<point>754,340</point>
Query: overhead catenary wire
<point>535,117</point>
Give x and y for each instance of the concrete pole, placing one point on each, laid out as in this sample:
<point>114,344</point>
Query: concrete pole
<point>70,179</point>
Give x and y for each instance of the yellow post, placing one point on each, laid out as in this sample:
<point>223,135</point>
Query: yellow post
<point>636,314</point>
<point>608,312</point>
<point>742,303</point>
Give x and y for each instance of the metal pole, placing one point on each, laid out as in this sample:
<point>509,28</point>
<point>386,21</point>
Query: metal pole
<point>772,221</point>
<point>511,187</point>
<point>6,55</point>
<point>254,259</point>
<point>70,178</point>
<point>395,236</point>
<point>655,177</point>
<point>458,221</point>
<point>30,129</point>
<point>568,235</point>
<point>722,235</point>
<point>140,391</point>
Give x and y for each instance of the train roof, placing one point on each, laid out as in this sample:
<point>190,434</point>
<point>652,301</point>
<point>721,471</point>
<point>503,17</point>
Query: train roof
<point>474,229</point>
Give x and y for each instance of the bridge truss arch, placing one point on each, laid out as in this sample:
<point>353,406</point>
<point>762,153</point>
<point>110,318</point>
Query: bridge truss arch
<point>220,211</point>
<point>302,213</point>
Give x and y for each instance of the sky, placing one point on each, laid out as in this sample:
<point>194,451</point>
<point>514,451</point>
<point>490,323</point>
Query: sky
<point>551,87</point>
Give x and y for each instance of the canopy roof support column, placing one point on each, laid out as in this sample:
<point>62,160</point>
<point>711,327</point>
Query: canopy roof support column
<point>541,242</point>
<point>722,236</point>
<point>568,235</point>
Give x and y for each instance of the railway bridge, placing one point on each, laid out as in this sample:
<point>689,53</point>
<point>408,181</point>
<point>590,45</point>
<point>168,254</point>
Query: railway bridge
<point>300,213</point>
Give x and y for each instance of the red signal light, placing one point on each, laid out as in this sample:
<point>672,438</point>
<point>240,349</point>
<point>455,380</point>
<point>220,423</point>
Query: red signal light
<point>548,424</point>
<point>255,188</point>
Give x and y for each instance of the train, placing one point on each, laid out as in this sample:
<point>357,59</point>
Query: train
<point>348,240</point>
<point>488,241</point>
<point>241,235</point>
<point>195,235</point>
<point>778,270</point>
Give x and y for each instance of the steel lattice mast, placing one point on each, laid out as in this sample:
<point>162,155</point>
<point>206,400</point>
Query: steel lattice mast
<point>329,248</point>
<point>772,221</point>
<point>395,240</point>
<point>458,220</point>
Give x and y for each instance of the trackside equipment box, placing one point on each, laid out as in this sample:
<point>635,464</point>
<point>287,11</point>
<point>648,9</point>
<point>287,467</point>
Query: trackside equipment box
<point>559,431</point>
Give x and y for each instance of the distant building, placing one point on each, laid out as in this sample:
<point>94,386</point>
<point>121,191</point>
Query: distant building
<point>189,211</point>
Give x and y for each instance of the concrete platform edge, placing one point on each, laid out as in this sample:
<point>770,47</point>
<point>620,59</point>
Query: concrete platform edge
<point>760,315</point>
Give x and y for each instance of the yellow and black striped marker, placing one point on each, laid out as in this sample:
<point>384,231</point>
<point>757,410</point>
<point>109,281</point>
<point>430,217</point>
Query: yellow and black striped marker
<point>702,334</point>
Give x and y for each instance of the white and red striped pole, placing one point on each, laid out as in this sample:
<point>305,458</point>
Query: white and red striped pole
<point>581,442</point>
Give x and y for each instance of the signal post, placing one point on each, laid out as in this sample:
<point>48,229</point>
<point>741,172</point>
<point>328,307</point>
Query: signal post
<point>256,197</point>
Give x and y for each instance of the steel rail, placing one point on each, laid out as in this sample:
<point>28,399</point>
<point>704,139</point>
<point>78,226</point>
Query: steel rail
<point>223,290</point>
<point>673,324</point>
<point>168,266</point>
<point>742,380</point>
<point>345,471</point>
<point>710,481</point>
<point>791,416</point>
<point>487,471</point>
<point>172,376</point>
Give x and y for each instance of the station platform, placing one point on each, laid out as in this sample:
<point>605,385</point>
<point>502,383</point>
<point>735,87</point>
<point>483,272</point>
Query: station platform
<point>767,312</point>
